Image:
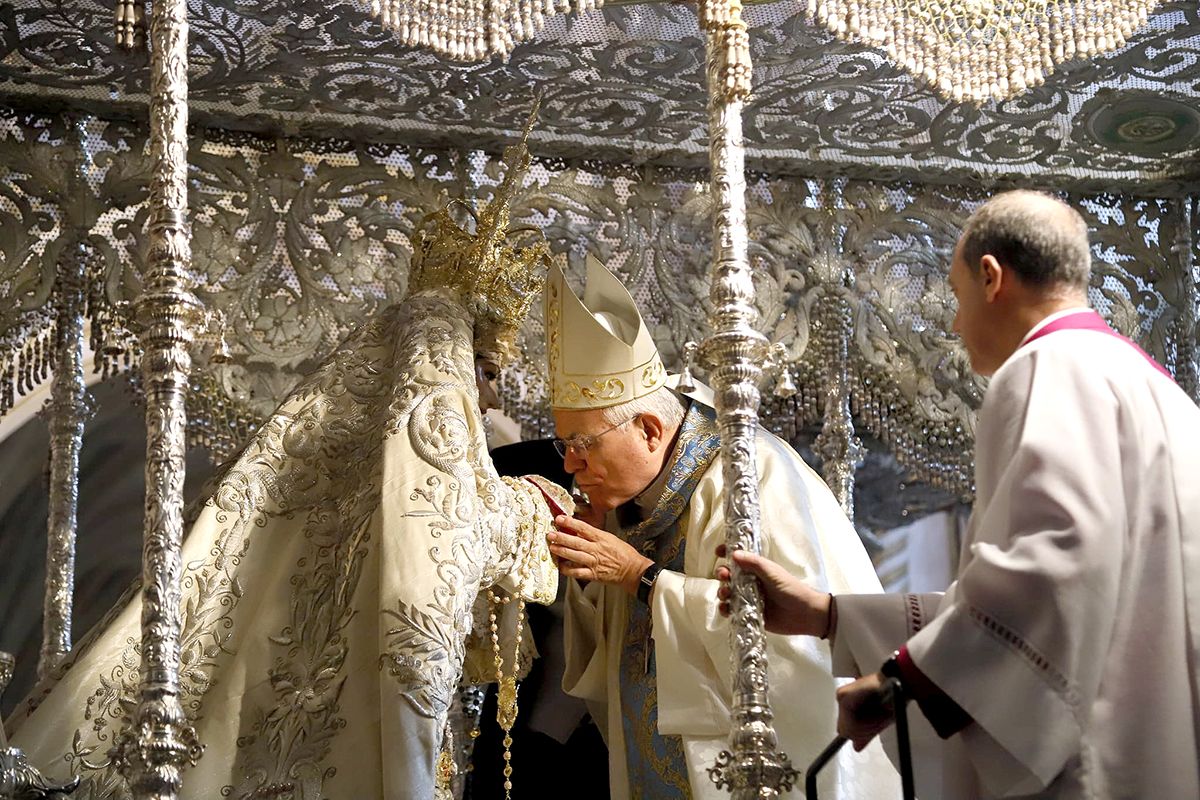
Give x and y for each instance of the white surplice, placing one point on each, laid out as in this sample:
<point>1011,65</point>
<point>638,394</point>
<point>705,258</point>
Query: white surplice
<point>1071,634</point>
<point>805,530</point>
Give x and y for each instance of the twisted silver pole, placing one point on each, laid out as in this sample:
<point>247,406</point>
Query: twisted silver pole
<point>68,409</point>
<point>753,767</point>
<point>1187,367</point>
<point>153,751</point>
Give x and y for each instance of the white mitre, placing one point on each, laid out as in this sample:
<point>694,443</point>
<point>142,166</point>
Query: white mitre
<point>600,350</point>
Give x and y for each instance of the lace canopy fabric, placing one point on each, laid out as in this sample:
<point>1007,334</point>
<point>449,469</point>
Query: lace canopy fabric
<point>321,138</point>
<point>624,85</point>
<point>296,241</point>
<point>304,203</point>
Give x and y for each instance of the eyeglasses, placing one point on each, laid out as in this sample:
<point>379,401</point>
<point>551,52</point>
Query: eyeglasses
<point>582,442</point>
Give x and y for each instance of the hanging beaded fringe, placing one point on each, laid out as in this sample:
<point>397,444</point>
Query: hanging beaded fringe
<point>979,50</point>
<point>932,452</point>
<point>114,346</point>
<point>24,367</point>
<point>215,421</point>
<point>968,50</point>
<point>31,358</point>
<point>130,19</point>
<point>471,30</point>
<point>727,34</point>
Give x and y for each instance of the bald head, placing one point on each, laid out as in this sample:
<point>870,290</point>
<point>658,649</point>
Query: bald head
<point>1040,238</point>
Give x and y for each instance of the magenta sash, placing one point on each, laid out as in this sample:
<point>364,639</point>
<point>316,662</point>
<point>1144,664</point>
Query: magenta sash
<point>1088,320</point>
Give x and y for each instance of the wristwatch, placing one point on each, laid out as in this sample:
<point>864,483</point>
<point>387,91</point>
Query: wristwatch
<point>891,669</point>
<point>646,582</point>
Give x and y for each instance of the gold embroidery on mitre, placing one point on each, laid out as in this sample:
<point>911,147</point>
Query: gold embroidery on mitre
<point>497,278</point>
<point>599,349</point>
<point>599,391</point>
<point>610,389</point>
<point>653,375</point>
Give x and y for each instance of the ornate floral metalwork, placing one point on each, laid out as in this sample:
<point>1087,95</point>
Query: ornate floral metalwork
<point>68,409</point>
<point>1187,252</point>
<point>19,780</point>
<point>297,242</point>
<point>736,350</point>
<point>7,664</point>
<point>840,449</point>
<point>152,751</point>
<point>299,238</point>
<point>466,715</point>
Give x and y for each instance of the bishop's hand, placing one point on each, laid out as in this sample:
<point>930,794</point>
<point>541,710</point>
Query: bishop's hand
<point>585,511</point>
<point>591,554</point>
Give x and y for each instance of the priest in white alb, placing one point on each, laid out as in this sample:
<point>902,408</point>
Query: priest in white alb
<point>1064,661</point>
<point>645,644</point>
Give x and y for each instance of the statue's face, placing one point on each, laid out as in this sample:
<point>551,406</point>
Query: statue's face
<point>486,373</point>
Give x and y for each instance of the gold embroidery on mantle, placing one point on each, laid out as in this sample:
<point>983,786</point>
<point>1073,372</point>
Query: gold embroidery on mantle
<point>289,741</point>
<point>308,486</point>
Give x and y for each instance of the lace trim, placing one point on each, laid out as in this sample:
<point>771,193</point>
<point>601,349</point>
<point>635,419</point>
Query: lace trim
<point>1035,659</point>
<point>916,619</point>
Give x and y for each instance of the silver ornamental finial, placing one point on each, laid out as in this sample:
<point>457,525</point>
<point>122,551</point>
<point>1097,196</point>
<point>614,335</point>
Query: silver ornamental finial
<point>7,665</point>
<point>785,387</point>
<point>18,780</point>
<point>687,381</point>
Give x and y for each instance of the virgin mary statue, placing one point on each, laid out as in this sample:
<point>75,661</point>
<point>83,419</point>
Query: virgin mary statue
<point>331,578</point>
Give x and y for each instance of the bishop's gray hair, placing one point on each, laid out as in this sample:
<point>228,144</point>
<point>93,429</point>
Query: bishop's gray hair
<point>1042,239</point>
<point>662,403</point>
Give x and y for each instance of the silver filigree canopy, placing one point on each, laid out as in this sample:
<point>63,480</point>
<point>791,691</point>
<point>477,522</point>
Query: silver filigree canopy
<point>298,240</point>
<point>317,142</point>
<point>622,85</point>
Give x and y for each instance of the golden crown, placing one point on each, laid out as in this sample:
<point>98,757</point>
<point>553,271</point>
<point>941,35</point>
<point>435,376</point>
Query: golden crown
<point>498,279</point>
